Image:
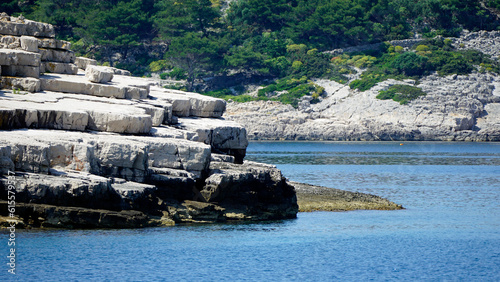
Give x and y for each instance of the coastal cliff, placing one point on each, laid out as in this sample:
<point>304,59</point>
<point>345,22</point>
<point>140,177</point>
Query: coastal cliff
<point>85,146</point>
<point>455,107</point>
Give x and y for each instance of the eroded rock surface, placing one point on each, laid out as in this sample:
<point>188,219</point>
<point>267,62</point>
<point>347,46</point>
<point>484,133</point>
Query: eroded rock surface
<point>91,147</point>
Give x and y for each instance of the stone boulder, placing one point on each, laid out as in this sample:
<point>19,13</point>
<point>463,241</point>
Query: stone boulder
<point>250,191</point>
<point>82,62</point>
<point>98,74</point>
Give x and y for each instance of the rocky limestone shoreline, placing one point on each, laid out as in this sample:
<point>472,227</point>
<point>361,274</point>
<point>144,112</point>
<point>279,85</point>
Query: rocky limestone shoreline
<point>85,146</point>
<point>456,108</point>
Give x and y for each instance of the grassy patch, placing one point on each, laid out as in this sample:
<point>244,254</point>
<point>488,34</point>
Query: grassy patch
<point>401,93</point>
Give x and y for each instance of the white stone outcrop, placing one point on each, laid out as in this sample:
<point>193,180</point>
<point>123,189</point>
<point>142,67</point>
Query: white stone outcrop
<point>82,62</point>
<point>453,109</point>
<point>127,157</point>
<point>187,104</point>
<point>98,74</point>
<point>110,152</point>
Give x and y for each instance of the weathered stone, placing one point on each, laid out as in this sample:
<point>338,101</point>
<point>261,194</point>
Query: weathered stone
<point>6,163</point>
<point>119,122</point>
<point>452,107</point>
<point>22,71</point>
<point>77,86</point>
<point>26,27</point>
<point>82,62</point>
<point>53,44</point>
<point>206,106</point>
<point>250,191</point>
<point>22,83</point>
<point>172,132</point>
<point>126,157</point>
<point>60,56</point>
<point>49,216</point>
<point>185,104</point>
<point>135,93</point>
<point>10,57</point>
<point>29,43</point>
<point>10,42</point>
<point>159,174</point>
<point>222,135</point>
<point>98,74</point>
<point>121,72</point>
<point>61,68</point>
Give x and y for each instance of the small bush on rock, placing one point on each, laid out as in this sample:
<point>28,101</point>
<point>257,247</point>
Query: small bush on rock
<point>401,93</point>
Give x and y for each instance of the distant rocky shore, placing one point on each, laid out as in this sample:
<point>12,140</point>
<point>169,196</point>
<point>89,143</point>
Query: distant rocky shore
<point>456,108</point>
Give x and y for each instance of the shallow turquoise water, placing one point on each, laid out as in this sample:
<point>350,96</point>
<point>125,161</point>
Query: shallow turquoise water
<point>450,229</point>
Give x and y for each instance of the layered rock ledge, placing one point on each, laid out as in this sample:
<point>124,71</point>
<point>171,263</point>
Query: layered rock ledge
<point>84,146</point>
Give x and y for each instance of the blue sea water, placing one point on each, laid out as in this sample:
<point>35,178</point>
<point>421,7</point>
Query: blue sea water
<point>449,231</point>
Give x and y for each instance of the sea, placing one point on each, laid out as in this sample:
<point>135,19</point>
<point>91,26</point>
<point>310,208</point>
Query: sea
<point>448,231</point>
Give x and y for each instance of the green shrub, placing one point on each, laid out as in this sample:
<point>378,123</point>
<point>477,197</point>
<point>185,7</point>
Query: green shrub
<point>297,65</point>
<point>159,65</point>
<point>177,73</point>
<point>410,64</point>
<point>399,49</point>
<point>401,93</point>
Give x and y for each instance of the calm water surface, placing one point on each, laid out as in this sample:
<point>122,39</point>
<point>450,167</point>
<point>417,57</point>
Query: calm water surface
<point>450,230</point>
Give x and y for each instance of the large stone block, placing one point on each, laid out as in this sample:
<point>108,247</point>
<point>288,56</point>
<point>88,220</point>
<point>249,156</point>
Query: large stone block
<point>20,26</point>
<point>119,122</point>
<point>60,56</point>
<point>127,157</point>
<point>205,106</point>
<point>21,70</point>
<point>98,74</point>
<point>19,58</point>
<point>55,67</point>
<point>82,62</point>
<point>29,43</point>
<point>223,136</point>
<point>10,42</point>
<point>77,86</point>
<point>49,43</point>
<point>185,104</point>
<point>135,93</point>
<point>23,83</point>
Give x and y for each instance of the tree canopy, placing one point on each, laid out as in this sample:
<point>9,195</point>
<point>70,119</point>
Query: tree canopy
<point>251,35</point>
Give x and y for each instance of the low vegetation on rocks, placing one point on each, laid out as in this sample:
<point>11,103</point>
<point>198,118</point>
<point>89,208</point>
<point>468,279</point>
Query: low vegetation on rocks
<point>431,55</point>
<point>401,93</point>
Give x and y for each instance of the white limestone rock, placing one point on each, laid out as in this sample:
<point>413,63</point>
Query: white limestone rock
<point>82,62</point>
<point>205,106</point>
<point>98,74</point>
<point>29,43</point>
<point>65,111</point>
<point>50,43</point>
<point>9,57</point>
<point>60,56</point>
<point>109,155</point>
<point>21,71</point>
<point>22,83</point>
<point>19,27</point>
<point>60,68</point>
